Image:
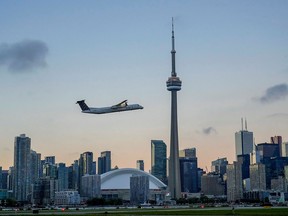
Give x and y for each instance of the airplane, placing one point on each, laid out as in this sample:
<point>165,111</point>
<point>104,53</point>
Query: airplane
<point>123,106</point>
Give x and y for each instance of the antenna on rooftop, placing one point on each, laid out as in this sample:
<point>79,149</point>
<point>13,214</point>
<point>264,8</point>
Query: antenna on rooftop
<point>245,124</point>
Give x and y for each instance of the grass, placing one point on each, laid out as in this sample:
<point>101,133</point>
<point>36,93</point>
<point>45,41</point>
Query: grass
<point>271,211</point>
<point>125,212</point>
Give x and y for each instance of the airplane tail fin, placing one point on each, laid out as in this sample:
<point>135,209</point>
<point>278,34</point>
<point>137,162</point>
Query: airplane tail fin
<point>83,105</point>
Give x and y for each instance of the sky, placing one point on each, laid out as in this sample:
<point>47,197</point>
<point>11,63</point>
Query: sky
<point>232,58</point>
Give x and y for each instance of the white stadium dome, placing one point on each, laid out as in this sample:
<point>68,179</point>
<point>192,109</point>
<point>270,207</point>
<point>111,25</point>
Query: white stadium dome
<point>120,179</point>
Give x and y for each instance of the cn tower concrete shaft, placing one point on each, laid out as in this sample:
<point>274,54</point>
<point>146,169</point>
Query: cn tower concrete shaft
<point>174,167</point>
<point>174,85</point>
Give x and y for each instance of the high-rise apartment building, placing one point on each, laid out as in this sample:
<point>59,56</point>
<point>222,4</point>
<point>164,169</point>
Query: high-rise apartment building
<point>62,176</point>
<point>22,167</point>
<point>234,182</point>
<point>50,170</point>
<point>278,184</point>
<point>104,162</point>
<point>140,165</point>
<point>86,163</point>
<point>158,160</point>
<point>91,186</point>
<point>257,177</point>
<point>43,191</point>
<point>139,189</point>
<point>286,177</point>
<point>85,166</point>
<point>75,177</point>
<point>244,143</point>
<point>36,168</point>
<point>212,184</point>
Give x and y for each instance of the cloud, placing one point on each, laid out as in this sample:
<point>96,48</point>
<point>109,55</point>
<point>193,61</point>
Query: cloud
<point>275,93</point>
<point>209,130</point>
<point>23,56</point>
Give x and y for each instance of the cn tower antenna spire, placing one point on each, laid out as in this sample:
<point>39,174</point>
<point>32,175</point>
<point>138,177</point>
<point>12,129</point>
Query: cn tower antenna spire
<point>173,52</point>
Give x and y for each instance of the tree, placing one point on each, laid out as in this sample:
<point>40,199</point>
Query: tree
<point>11,202</point>
<point>193,200</point>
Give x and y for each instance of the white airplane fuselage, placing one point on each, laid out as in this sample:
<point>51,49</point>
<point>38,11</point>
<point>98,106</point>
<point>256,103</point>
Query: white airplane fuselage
<point>104,110</point>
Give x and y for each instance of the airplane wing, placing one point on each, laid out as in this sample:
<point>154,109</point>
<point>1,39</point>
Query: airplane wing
<point>121,104</point>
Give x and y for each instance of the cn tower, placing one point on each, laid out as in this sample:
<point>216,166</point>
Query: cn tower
<point>174,85</point>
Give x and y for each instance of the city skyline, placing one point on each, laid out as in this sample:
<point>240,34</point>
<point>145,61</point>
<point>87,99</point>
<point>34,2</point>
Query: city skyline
<point>232,58</point>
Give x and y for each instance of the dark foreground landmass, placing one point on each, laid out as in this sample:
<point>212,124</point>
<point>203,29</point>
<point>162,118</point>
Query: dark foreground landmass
<point>155,211</point>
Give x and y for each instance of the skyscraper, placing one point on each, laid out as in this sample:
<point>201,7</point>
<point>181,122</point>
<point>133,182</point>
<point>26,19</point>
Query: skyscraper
<point>50,170</point>
<point>244,141</point>
<point>104,162</point>
<point>43,191</point>
<point>62,176</point>
<point>212,184</point>
<point>94,165</point>
<point>189,174</point>
<point>4,179</point>
<point>35,166</point>
<point>85,166</point>
<point>1,177</point>
<point>284,149</point>
<point>257,177</point>
<point>22,167</point>
<point>75,175</point>
<point>50,159</point>
<point>219,166</point>
<point>86,163</point>
<point>234,182</point>
<point>91,186</point>
<point>190,153</point>
<point>158,160</point>
<point>278,141</point>
<point>174,85</point>
<point>245,163</point>
<point>267,150</point>
<point>139,189</point>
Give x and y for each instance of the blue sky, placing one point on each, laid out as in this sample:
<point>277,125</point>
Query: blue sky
<point>232,58</point>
